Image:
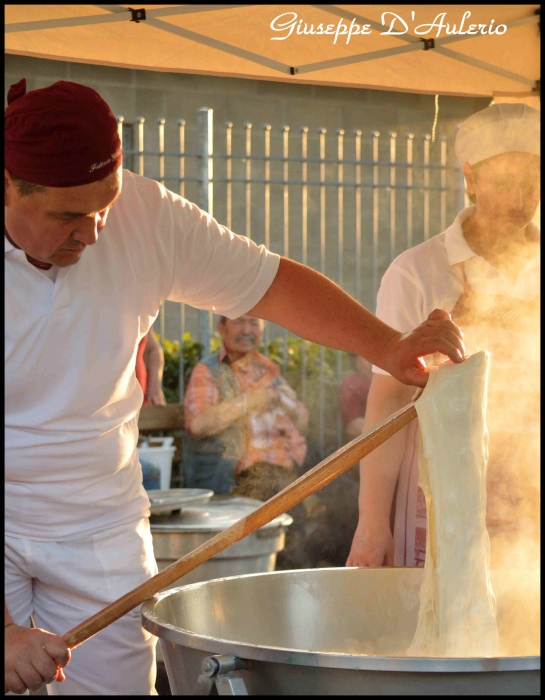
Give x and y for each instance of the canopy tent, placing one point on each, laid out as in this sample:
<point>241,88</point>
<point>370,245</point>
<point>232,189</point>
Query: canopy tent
<point>285,43</point>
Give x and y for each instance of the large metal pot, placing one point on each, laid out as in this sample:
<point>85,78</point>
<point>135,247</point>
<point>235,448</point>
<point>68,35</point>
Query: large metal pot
<point>333,631</point>
<point>181,533</point>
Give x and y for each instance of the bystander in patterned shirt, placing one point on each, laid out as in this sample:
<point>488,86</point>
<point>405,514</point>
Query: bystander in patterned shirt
<point>270,436</point>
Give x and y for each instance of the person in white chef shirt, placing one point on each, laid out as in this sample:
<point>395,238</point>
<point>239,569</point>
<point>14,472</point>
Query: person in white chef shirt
<point>484,269</point>
<point>91,252</point>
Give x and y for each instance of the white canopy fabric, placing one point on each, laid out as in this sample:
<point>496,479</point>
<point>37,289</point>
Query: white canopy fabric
<point>263,42</point>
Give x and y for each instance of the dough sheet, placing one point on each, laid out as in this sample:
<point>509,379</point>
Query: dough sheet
<point>457,616</point>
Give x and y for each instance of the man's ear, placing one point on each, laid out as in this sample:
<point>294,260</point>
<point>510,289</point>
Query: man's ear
<point>470,180</point>
<point>8,182</point>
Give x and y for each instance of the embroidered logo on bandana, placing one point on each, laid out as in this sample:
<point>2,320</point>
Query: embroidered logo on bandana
<point>96,166</point>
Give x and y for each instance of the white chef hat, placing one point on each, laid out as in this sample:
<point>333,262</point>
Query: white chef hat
<point>500,128</point>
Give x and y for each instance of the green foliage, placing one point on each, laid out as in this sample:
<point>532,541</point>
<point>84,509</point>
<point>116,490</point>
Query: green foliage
<point>192,355</point>
<point>321,363</point>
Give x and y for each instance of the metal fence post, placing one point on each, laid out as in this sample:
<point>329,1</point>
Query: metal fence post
<point>374,271</point>
<point>267,213</point>
<point>426,139</point>
<point>248,180</point>
<point>205,148</point>
<point>321,427</point>
<point>120,120</point>
<point>357,136</point>
<point>340,254</point>
<point>462,200</point>
<point>304,246</point>
<point>181,378</point>
<point>140,125</point>
<point>286,228</point>
<point>410,187</point>
<point>161,126</point>
<point>443,142</point>
<point>393,137</point>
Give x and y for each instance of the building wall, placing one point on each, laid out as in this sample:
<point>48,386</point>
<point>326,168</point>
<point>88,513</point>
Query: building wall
<point>153,95</point>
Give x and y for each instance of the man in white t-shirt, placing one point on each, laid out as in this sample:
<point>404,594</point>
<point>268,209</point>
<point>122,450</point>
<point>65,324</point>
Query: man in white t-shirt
<point>484,269</point>
<point>91,252</point>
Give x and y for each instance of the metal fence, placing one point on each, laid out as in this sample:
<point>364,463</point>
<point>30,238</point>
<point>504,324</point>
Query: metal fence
<point>344,204</point>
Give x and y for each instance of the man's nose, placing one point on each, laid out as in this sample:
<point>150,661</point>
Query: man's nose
<point>88,230</point>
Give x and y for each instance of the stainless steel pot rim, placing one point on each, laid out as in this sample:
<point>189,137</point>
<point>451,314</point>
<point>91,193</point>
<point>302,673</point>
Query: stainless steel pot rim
<point>213,517</point>
<point>167,494</point>
<point>164,630</point>
<point>166,501</point>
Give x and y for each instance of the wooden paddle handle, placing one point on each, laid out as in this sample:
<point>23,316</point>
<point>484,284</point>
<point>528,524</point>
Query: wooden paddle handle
<point>307,484</point>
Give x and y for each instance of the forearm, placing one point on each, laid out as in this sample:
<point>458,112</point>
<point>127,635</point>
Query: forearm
<point>354,428</point>
<point>155,363</point>
<point>379,471</point>
<point>217,418</point>
<point>378,476</point>
<point>300,299</point>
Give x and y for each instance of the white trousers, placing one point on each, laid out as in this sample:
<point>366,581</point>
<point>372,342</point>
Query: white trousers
<point>61,584</point>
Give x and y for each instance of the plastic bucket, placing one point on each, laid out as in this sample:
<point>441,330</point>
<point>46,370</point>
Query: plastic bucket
<point>160,452</point>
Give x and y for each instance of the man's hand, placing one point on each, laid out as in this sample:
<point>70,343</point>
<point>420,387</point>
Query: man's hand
<point>33,657</point>
<point>290,393</point>
<point>261,400</point>
<point>372,546</point>
<point>155,395</point>
<point>404,353</point>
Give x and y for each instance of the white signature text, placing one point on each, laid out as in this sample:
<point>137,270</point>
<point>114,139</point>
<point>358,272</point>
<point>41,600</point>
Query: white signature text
<point>288,24</point>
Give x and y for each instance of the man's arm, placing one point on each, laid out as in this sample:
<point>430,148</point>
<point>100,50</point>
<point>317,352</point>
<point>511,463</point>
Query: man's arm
<point>215,419</point>
<point>373,544</point>
<point>354,428</point>
<point>206,416</point>
<point>154,359</point>
<point>315,308</point>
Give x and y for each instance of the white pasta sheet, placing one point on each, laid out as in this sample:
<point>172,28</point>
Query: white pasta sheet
<point>457,616</point>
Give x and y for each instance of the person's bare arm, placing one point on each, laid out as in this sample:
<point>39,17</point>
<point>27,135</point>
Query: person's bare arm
<point>154,359</point>
<point>354,428</point>
<point>315,308</point>
<point>32,657</point>
<point>373,543</point>
<point>215,419</point>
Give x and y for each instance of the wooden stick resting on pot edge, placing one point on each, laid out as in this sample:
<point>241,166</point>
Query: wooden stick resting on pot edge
<point>315,479</point>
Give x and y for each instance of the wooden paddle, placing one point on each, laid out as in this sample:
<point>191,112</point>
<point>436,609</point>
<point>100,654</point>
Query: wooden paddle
<point>313,480</point>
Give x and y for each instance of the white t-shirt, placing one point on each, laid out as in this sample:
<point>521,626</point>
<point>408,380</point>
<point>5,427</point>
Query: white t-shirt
<point>72,398</point>
<point>430,276</point>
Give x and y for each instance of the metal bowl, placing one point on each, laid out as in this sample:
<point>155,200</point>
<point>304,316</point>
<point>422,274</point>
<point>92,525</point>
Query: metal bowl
<point>173,500</point>
<point>337,631</point>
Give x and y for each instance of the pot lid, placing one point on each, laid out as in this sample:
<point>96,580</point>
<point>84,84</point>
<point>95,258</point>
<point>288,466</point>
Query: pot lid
<point>215,516</point>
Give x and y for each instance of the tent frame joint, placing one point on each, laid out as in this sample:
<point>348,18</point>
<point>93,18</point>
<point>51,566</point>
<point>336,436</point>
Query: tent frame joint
<point>137,15</point>
<point>428,44</point>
